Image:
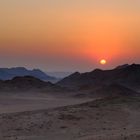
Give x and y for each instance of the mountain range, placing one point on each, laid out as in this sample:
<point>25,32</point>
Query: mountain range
<point>10,73</point>
<point>122,80</point>
<point>125,75</point>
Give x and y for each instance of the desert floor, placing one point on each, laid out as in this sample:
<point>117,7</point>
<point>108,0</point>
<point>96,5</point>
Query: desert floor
<point>48,118</point>
<point>19,102</point>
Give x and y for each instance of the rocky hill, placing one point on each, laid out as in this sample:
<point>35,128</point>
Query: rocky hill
<point>128,76</point>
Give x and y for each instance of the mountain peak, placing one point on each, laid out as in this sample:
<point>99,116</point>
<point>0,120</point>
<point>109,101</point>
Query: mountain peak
<point>19,78</point>
<point>128,66</point>
<point>122,66</point>
<point>135,65</point>
<point>75,75</point>
<point>96,70</point>
<point>9,73</point>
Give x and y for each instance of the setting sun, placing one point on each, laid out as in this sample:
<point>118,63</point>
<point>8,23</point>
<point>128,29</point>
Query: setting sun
<point>103,62</point>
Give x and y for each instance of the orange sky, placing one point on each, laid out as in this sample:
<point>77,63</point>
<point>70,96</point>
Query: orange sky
<point>69,35</point>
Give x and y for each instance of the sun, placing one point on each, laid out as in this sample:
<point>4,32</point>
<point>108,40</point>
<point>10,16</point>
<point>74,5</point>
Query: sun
<point>103,61</point>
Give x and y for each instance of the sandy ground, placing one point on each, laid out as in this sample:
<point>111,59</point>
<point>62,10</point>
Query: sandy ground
<point>105,119</point>
<point>20,102</point>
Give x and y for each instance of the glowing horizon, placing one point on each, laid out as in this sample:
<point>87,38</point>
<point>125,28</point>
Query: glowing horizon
<point>69,35</point>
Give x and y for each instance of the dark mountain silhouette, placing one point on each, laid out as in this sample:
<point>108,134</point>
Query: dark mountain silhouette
<point>113,90</point>
<point>26,83</point>
<point>9,73</point>
<point>122,66</point>
<point>126,75</point>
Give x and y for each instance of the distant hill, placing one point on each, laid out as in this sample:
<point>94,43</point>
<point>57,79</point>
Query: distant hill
<point>26,83</point>
<point>126,75</point>
<point>9,73</point>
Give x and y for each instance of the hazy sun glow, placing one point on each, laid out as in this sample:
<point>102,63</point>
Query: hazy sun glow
<point>103,62</point>
<point>69,35</point>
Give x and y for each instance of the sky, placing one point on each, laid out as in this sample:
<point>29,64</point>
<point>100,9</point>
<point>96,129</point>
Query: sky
<point>69,35</point>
